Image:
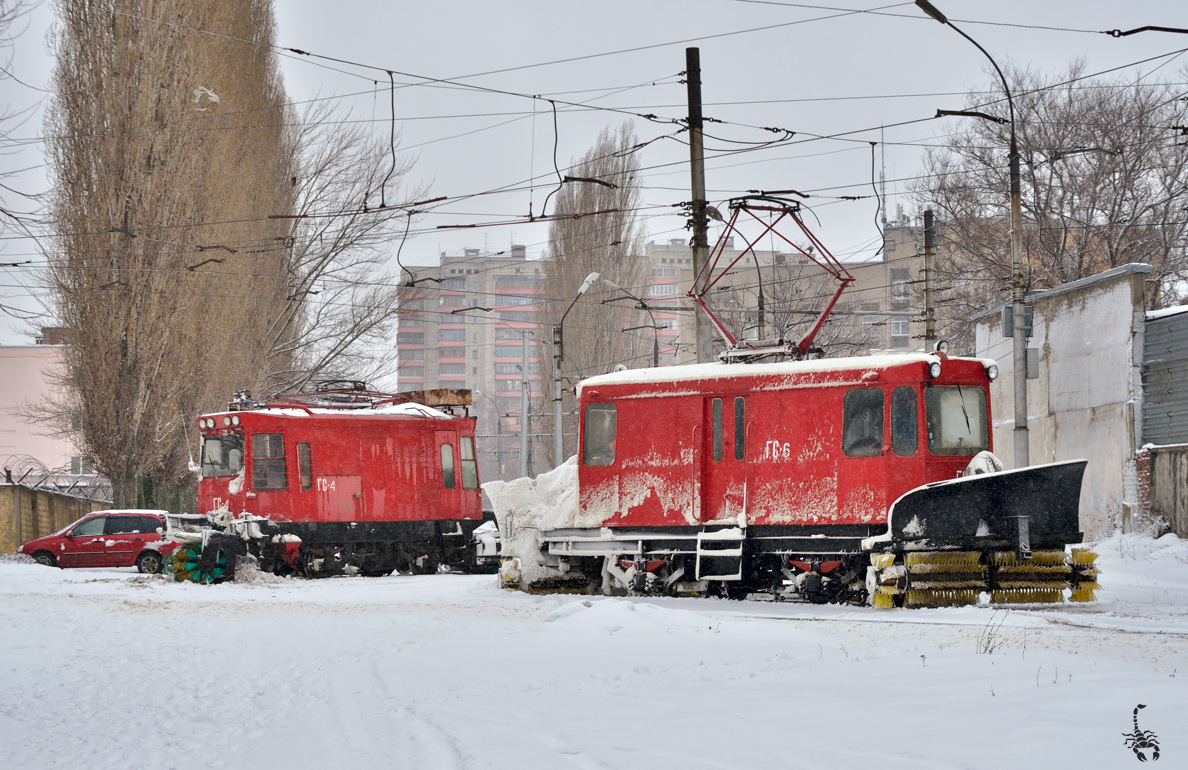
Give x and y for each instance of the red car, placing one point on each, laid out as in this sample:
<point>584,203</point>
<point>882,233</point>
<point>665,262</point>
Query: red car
<point>106,539</point>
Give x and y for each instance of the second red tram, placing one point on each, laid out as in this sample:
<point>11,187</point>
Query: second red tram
<point>339,481</point>
<point>841,478</point>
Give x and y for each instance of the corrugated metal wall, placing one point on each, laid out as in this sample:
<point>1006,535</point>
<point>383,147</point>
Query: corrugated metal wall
<point>1165,380</point>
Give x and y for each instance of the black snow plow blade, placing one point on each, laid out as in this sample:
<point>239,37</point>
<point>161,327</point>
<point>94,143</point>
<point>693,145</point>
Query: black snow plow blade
<point>1036,506</point>
<point>1001,534</point>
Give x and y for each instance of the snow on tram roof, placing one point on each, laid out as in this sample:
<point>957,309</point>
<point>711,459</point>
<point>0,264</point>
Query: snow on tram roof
<point>406,409</point>
<point>716,371</point>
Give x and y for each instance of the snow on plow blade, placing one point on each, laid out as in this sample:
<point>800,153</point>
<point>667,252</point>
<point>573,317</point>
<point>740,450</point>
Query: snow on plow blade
<point>1002,534</point>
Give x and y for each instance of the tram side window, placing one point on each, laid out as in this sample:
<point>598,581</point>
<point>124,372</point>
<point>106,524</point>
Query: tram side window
<point>862,424</point>
<point>739,428</point>
<point>904,439</point>
<point>304,465</point>
<point>598,434</point>
<point>447,466</point>
<point>268,461</point>
<point>469,465</point>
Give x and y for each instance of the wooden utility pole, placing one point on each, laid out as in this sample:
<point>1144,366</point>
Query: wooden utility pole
<point>700,242</point>
<point>929,311</point>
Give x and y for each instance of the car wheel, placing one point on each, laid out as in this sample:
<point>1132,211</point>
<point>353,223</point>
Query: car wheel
<point>45,558</point>
<point>149,562</point>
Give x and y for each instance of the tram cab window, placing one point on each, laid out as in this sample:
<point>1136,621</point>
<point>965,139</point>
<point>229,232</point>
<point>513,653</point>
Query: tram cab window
<point>862,425</point>
<point>904,439</point>
<point>598,435</point>
<point>268,461</point>
<point>956,418</point>
<point>222,455</point>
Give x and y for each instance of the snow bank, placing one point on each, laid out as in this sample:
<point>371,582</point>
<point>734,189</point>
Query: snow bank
<point>525,506</point>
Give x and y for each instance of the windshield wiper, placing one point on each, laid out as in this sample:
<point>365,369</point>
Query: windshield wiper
<point>961,393</point>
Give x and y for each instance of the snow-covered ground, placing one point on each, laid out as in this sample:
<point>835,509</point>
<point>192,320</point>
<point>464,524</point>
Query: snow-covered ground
<point>110,669</point>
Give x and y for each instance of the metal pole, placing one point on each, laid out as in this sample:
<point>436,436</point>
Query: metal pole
<point>700,242</point>
<point>524,409</point>
<point>929,244</point>
<point>1019,366</point>
<point>558,438</point>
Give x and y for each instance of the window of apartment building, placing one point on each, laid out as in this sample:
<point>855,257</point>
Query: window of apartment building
<point>451,352</point>
<point>662,290</point>
<point>900,284</point>
<point>514,299</point>
<point>900,326</point>
<point>869,311</point>
<point>517,317</point>
<point>412,304</point>
<point>474,354</point>
<point>666,323</point>
<point>664,272</point>
<point>412,355</point>
<point>507,334</point>
<point>411,371</point>
<point>533,368</point>
<point>507,351</point>
<point>410,338</point>
<point>454,284</point>
<point>411,323</point>
<point>80,465</point>
<point>474,370</point>
<point>517,282</point>
<point>445,369</point>
<point>452,300</point>
<point>451,335</point>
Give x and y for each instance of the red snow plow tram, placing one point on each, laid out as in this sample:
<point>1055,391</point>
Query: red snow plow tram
<point>846,479</point>
<point>342,480</point>
<point>833,480</point>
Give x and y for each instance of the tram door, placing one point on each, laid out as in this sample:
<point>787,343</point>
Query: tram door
<point>724,475</point>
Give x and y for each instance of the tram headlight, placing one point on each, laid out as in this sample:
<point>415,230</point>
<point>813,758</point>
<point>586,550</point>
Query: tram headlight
<point>992,372</point>
<point>209,423</point>
<point>235,418</point>
<point>201,424</point>
<point>934,369</point>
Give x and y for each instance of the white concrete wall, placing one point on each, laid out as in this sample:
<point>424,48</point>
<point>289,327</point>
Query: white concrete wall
<point>26,377</point>
<point>1086,402</point>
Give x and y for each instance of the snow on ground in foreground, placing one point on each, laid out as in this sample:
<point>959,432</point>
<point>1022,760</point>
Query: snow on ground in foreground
<point>110,669</point>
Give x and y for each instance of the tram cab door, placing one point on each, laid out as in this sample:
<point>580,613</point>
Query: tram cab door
<point>450,480</point>
<point>724,475</point>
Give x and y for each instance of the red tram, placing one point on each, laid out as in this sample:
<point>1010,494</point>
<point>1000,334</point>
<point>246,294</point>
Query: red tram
<point>836,479</point>
<point>340,480</point>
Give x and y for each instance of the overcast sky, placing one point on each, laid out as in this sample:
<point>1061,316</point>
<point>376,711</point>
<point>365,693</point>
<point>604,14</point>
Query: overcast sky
<point>800,67</point>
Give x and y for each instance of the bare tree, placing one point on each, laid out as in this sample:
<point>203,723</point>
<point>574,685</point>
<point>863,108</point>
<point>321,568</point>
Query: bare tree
<point>342,302</point>
<point>596,228</point>
<point>209,239</point>
<point>1102,183</point>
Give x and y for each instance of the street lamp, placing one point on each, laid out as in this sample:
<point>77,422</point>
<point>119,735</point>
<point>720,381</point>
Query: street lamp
<point>641,305</point>
<point>558,442</point>
<point>1017,312</point>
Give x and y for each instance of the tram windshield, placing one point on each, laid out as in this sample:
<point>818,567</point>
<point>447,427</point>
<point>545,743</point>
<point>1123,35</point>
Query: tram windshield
<point>222,455</point>
<point>957,422</point>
